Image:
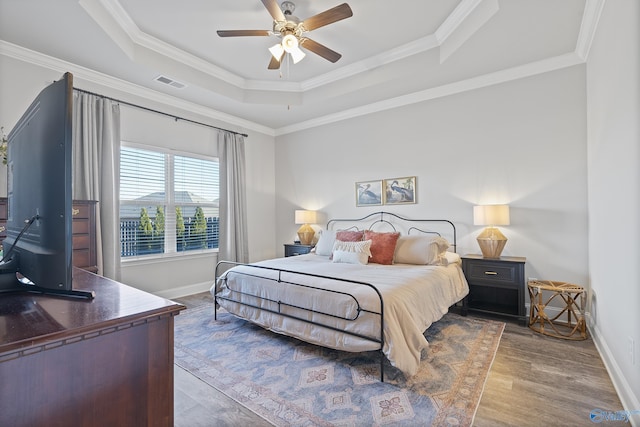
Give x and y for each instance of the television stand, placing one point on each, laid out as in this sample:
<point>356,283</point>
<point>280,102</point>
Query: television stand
<point>101,362</point>
<point>9,282</point>
<point>72,293</point>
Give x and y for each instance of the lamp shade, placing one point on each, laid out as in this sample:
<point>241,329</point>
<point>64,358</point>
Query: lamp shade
<point>276,50</point>
<point>297,54</point>
<point>306,217</point>
<point>491,215</point>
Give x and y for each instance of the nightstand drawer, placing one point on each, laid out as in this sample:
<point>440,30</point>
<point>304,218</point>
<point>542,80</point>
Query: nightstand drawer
<point>296,249</point>
<point>493,272</point>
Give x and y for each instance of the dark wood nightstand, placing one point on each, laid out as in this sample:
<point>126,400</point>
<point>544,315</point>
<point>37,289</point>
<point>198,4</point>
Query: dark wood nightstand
<point>293,249</point>
<point>496,285</point>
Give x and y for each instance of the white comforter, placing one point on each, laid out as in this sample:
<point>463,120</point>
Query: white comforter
<point>413,296</point>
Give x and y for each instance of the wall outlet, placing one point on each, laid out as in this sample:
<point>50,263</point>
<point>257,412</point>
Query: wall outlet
<point>632,350</point>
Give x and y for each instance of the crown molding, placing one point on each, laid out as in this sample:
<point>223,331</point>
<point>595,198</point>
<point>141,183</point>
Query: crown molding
<point>590,20</point>
<point>79,72</point>
<point>114,21</point>
<point>457,17</point>
<point>467,20</point>
<point>514,73</point>
<point>452,23</point>
<point>408,49</point>
<point>490,79</point>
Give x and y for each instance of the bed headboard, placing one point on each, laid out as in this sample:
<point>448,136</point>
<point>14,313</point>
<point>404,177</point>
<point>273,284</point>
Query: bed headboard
<point>389,221</point>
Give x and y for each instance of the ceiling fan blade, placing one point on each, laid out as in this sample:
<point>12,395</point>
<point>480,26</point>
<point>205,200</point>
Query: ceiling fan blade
<point>317,48</point>
<point>328,17</point>
<point>274,9</point>
<point>242,33</point>
<point>274,64</point>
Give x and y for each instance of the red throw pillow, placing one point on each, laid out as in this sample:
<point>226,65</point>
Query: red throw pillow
<point>349,236</point>
<point>383,246</point>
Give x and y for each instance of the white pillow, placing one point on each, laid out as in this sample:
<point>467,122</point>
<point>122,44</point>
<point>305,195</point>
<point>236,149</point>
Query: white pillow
<point>450,258</point>
<point>420,250</point>
<point>325,243</point>
<point>352,252</point>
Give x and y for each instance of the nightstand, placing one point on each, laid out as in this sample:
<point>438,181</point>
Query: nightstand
<point>293,249</point>
<point>496,285</point>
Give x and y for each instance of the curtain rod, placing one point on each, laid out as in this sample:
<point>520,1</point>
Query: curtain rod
<point>159,112</point>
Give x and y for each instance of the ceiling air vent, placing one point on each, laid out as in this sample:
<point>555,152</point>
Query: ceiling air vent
<point>170,82</point>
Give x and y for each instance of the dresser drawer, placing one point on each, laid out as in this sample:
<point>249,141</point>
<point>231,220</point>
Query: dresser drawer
<point>82,210</point>
<point>83,227</point>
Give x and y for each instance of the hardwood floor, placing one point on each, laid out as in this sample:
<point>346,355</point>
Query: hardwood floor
<point>534,381</point>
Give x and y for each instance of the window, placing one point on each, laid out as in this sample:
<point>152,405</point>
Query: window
<point>168,202</point>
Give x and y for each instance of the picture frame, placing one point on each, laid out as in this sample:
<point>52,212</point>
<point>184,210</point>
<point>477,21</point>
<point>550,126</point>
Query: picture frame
<point>369,193</point>
<point>400,191</point>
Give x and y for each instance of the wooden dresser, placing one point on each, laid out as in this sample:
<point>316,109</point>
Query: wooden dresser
<point>84,232</point>
<point>75,362</point>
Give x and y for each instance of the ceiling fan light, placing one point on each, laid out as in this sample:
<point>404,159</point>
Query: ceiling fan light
<point>276,50</point>
<point>289,43</point>
<point>297,54</point>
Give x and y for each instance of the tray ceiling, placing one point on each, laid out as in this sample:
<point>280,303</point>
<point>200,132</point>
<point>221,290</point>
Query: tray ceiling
<point>393,53</point>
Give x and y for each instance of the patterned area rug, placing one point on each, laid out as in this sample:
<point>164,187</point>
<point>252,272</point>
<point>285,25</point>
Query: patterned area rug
<point>290,383</point>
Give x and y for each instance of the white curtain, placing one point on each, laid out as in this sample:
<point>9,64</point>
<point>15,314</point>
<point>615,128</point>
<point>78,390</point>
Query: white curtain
<point>96,173</point>
<point>233,241</point>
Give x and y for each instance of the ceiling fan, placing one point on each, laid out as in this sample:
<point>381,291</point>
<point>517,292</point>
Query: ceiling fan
<point>292,31</point>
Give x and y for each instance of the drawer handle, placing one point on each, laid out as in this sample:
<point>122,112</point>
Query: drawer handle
<point>490,273</point>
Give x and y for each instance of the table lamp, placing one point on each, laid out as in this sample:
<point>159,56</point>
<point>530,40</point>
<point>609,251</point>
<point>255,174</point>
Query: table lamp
<point>306,232</point>
<point>491,240</point>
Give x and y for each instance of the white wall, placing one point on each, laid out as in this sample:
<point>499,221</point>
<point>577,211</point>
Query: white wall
<point>522,143</point>
<point>20,82</point>
<point>613,100</point>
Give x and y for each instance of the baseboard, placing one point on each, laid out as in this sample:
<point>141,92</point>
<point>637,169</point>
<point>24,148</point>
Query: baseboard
<point>185,290</point>
<point>630,401</point>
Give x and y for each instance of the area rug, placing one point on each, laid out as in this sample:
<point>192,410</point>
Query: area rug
<point>290,383</point>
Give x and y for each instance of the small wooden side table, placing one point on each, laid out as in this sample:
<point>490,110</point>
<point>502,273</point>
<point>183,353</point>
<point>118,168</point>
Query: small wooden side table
<point>573,296</point>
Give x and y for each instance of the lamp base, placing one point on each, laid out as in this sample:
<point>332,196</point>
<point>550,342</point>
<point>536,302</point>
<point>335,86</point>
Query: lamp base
<point>491,242</point>
<point>306,234</point>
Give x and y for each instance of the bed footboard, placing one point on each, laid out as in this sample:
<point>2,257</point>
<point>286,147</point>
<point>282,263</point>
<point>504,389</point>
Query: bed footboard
<point>290,310</point>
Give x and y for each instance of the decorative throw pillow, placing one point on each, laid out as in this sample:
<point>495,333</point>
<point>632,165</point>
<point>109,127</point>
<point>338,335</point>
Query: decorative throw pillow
<point>383,246</point>
<point>441,243</point>
<point>451,258</point>
<point>420,250</point>
<point>352,252</point>
<point>349,236</point>
<point>325,242</point>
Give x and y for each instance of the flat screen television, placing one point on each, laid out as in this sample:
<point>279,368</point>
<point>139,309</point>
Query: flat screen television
<point>38,248</point>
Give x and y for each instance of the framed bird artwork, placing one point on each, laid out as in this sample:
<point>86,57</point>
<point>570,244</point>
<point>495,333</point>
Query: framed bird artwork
<point>399,191</point>
<point>369,193</point>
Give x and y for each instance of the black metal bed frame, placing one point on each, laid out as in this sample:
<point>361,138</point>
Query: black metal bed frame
<point>379,341</point>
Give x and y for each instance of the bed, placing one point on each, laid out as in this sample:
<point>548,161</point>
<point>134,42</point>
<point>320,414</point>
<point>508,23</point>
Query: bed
<point>379,291</point>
